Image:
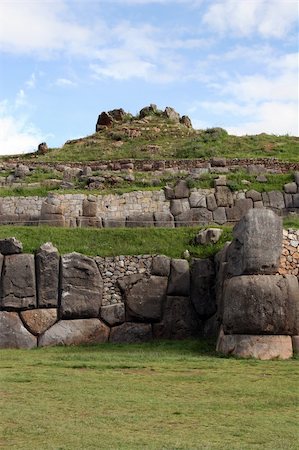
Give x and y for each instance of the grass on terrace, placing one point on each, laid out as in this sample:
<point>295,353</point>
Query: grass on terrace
<point>162,395</point>
<point>122,241</point>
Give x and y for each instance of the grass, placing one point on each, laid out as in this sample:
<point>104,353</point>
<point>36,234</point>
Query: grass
<point>116,241</point>
<point>162,395</point>
<point>159,138</point>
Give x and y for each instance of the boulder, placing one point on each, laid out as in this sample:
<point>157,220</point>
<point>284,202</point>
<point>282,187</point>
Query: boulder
<point>37,321</point>
<point>169,193</point>
<point>290,188</point>
<point>89,208</point>
<point>81,287</point>
<point>75,332</point>
<point>218,162</point>
<point>140,220</point>
<point>113,314</point>
<point>13,334</point>
<point>224,196</point>
<point>259,347</point>
<point>179,279</point>
<point>208,236</point>
<point>259,304</point>
<point>117,114</point>
<point>171,114</point>
<point>202,288</point>
<point>144,300</point>
<point>240,208</point>
<point>257,244</point>
<point>10,246</point>
<point>164,219</point>
<point>180,320</point>
<point>147,111</point>
<point>276,200</point>
<point>21,171</point>
<point>131,333</point>
<point>185,120</point>
<point>161,266</point>
<point>104,120</point>
<point>181,189</point>
<point>47,275</point>
<point>42,148</point>
<point>18,282</point>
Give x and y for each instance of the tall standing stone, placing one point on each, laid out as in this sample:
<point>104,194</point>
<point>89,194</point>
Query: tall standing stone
<point>81,287</point>
<point>47,275</point>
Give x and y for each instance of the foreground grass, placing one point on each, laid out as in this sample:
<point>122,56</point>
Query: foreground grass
<point>167,395</point>
<point>116,241</point>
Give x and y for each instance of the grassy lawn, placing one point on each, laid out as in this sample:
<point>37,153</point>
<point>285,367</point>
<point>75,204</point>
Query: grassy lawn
<point>167,395</point>
<point>115,241</point>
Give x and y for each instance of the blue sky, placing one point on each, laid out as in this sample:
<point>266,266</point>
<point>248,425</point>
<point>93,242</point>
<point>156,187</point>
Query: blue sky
<point>228,63</point>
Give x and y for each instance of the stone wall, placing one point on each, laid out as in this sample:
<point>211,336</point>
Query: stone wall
<point>178,206</point>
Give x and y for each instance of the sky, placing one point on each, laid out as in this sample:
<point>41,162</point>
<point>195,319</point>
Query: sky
<point>224,63</point>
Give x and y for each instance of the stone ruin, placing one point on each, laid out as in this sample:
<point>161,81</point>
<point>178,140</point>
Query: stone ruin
<point>241,295</point>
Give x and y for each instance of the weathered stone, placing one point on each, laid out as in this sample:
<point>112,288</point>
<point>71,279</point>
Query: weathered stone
<point>257,243</point>
<point>171,114</point>
<point>81,287</point>
<point>185,120</point>
<point>288,200</point>
<point>140,220</point>
<point>295,343</point>
<point>148,110</point>
<point>211,327</point>
<point>181,189</point>
<point>180,320</point>
<point>145,298</point>
<point>197,200</point>
<point>37,321</point>
<point>161,266</point>
<point>219,215</point>
<point>89,208</point>
<point>131,333</point>
<point>13,334</point>
<point>262,179</point>
<point>296,200</point>
<point>220,181</point>
<point>113,314</point>
<point>117,114</point>
<point>128,281</point>
<point>259,347</point>
<point>266,200</point>
<point>220,261</point>
<point>258,304</point>
<point>10,246</point>
<point>258,204</point>
<point>89,222</point>
<point>254,195</point>
<point>21,171</point>
<point>202,289</point>
<point>208,236</point>
<point>224,196</point>
<point>201,216</point>
<point>164,219</point>
<point>47,275</point>
<point>211,202</point>
<point>218,162</point>
<point>42,148</point>
<point>179,279</point>
<point>75,332</point>
<point>115,222</point>
<point>276,199</point>
<point>178,206</point>
<point>169,192</point>
<point>240,208</point>
<point>51,214</point>
<point>296,177</point>
<point>290,188</point>
<point>104,120</point>
<point>18,282</point>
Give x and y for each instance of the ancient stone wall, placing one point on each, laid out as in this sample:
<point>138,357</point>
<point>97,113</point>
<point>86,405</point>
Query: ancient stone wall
<point>178,206</point>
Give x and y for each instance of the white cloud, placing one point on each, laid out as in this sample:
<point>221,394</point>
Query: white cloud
<point>65,82</point>
<point>41,27</point>
<point>17,136</point>
<point>31,82</point>
<point>270,19</point>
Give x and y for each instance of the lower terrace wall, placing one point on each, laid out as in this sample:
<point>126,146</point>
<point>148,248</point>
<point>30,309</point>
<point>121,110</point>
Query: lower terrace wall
<point>179,206</point>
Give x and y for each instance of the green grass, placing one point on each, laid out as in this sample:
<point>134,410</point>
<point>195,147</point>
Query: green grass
<point>116,241</point>
<point>163,395</point>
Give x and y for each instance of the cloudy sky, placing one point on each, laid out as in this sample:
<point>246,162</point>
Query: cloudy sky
<point>228,63</point>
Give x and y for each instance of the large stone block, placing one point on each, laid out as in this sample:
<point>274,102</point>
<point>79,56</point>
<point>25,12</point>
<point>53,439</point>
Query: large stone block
<point>164,219</point>
<point>114,222</point>
<point>144,300</point>
<point>140,220</point>
<point>75,332</point>
<point>181,189</point>
<point>47,275</point>
<point>202,292</point>
<point>257,244</point>
<point>131,333</point>
<point>180,320</point>
<point>10,246</point>
<point>18,290</point>
<point>259,304</point>
<point>81,287</point>
<point>113,314</point>
<point>224,196</point>
<point>179,206</point>
<point>89,208</point>
<point>179,279</point>
<point>240,208</point>
<point>37,321</point>
<point>197,199</point>
<point>161,266</point>
<point>89,222</point>
<point>13,334</point>
<point>276,200</point>
<point>259,347</point>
